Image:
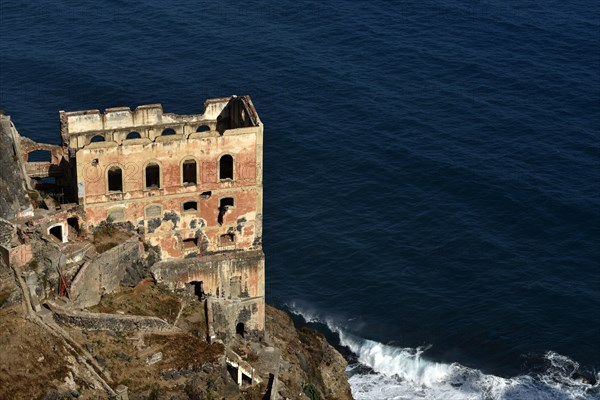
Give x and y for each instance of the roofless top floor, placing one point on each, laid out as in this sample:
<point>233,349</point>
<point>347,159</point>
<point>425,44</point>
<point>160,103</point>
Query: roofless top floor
<point>149,123</point>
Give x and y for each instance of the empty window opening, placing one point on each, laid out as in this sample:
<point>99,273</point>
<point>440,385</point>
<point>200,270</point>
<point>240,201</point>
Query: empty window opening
<point>39,156</point>
<point>205,195</point>
<point>226,167</point>
<point>224,205</point>
<point>73,223</point>
<point>97,138</point>
<point>203,128</point>
<point>115,179</point>
<point>57,232</point>
<point>167,132</point>
<point>240,329</point>
<point>227,239</point>
<point>152,176</point>
<point>189,172</point>
<point>190,243</point>
<point>227,202</point>
<point>133,135</point>
<point>48,180</point>
<point>190,206</point>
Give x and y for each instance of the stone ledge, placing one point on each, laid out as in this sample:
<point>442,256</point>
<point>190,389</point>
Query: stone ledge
<point>110,322</point>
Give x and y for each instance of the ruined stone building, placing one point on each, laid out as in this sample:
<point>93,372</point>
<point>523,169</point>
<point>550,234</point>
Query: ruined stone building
<point>189,185</point>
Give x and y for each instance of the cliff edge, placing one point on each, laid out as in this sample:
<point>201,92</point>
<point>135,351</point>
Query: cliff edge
<point>41,360</point>
<point>14,201</point>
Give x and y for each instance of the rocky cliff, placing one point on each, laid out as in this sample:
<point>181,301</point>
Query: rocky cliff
<point>41,360</point>
<point>14,200</point>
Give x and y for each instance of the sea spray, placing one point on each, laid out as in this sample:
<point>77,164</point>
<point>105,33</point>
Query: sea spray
<point>392,373</point>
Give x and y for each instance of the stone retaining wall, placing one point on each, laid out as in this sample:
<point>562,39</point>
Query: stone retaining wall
<point>112,322</point>
<point>104,273</point>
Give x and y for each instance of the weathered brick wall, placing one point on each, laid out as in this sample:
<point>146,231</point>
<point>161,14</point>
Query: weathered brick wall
<point>235,282</point>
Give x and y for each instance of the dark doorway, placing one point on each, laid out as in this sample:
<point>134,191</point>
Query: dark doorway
<point>73,223</point>
<point>57,232</point>
<point>240,329</point>
<point>97,138</point>
<point>167,132</point>
<point>199,289</point>
<point>203,128</point>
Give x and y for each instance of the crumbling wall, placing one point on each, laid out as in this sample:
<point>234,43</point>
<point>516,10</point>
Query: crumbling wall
<point>232,316</point>
<point>114,151</point>
<point>112,322</point>
<point>235,285</point>
<point>104,273</point>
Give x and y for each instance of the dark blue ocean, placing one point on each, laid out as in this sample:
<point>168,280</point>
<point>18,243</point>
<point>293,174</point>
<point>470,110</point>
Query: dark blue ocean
<point>432,168</point>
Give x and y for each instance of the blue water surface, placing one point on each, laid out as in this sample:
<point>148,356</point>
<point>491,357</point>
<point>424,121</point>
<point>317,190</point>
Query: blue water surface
<point>431,168</point>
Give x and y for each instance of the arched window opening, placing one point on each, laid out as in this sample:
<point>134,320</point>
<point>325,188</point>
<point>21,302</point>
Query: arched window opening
<point>224,205</point>
<point>39,156</point>
<point>189,172</point>
<point>97,138</point>
<point>168,131</point>
<point>240,329</point>
<point>226,167</point>
<point>152,176</point>
<point>57,232</point>
<point>115,179</point>
<point>203,128</point>
<point>133,135</point>
<point>190,206</point>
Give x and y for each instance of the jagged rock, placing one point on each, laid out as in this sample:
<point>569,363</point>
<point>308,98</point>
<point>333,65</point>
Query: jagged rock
<point>100,360</point>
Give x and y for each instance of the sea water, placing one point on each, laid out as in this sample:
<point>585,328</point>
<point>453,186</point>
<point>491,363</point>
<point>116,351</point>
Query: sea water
<point>431,171</point>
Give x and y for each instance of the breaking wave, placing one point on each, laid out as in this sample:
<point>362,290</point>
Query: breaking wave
<point>394,373</point>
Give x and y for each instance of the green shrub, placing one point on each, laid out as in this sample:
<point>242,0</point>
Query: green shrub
<point>311,391</point>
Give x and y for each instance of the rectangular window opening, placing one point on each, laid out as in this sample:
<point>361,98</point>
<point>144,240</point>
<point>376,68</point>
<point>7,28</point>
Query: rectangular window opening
<point>152,176</point>
<point>115,180</point>
<point>190,206</point>
<point>190,243</point>
<point>227,239</point>
<point>189,172</point>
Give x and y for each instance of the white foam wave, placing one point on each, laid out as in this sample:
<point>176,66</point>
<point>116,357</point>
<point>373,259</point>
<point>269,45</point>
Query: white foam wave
<point>396,373</point>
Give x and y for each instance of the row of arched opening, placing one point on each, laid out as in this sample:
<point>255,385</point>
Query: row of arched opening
<point>152,175</point>
<point>137,135</point>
